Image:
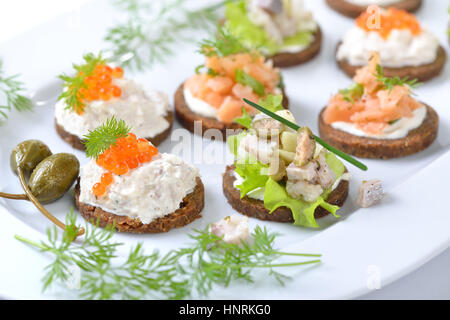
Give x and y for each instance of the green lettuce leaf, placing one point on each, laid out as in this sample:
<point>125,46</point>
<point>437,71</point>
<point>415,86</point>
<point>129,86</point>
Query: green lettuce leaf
<point>254,174</point>
<point>244,120</point>
<point>275,196</point>
<point>273,103</point>
<point>302,38</point>
<point>234,141</point>
<point>256,37</point>
<point>239,24</point>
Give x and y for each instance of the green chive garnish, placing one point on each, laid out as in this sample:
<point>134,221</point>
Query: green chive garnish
<point>337,152</point>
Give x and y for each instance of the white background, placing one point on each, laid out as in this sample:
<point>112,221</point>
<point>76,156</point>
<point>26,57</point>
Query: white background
<point>431,281</point>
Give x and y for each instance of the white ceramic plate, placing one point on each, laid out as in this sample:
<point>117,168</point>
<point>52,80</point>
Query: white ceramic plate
<point>409,228</point>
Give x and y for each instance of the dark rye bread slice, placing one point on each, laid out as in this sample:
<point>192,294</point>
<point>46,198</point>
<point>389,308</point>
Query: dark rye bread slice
<point>187,119</point>
<point>353,10</point>
<point>363,147</point>
<point>422,73</point>
<point>286,59</point>
<point>255,208</point>
<point>190,209</point>
<point>77,143</point>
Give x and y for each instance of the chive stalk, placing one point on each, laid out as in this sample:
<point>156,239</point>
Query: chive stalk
<point>291,125</point>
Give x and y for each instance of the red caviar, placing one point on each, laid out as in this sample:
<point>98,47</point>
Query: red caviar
<point>390,19</point>
<point>99,85</point>
<point>126,155</point>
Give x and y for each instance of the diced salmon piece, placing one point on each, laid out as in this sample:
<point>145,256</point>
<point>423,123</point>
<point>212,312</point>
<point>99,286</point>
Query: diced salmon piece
<point>215,99</point>
<point>214,63</point>
<point>240,91</point>
<point>230,109</point>
<point>220,85</point>
<point>197,85</point>
<point>222,91</point>
<point>340,110</point>
<point>264,74</point>
<point>366,75</point>
<point>377,107</point>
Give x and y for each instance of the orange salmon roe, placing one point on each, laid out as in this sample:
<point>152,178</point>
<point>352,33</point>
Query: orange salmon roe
<point>390,19</point>
<point>126,155</point>
<point>99,85</point>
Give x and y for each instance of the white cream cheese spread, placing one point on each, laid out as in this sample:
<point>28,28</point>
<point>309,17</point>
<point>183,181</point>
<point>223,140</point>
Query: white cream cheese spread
<point>151,191</point>
<point>142,110</point>
<point>396,130</point>
<point>199,106</point>
<point>400,49</point>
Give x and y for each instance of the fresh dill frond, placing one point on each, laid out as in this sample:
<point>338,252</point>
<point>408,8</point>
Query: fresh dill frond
<point>223,44</point>
<point>389,83</point>
<point>72,84</point>
<point>12,89</point>
<point>154,30</point>
<point>101,139</point>
<point>191,271</point>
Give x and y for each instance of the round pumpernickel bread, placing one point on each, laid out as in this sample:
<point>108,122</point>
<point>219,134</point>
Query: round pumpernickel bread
<point>353,10</point>
<point>187,119</point>
<point>286,59</point>
<point>77,143</point>
<point>422,73</point>
<point>363,147</point>
<point>255,208</point>
<point>190,209</point>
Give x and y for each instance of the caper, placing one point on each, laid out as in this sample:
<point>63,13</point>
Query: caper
<point>54,176</point>
<point>27,155</point>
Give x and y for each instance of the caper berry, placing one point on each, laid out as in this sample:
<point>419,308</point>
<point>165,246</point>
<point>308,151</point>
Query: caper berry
<point>51,179</point>
<point>27,155</point>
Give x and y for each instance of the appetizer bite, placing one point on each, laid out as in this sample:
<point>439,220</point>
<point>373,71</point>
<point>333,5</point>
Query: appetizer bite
<point>283,175</point>
<point>377,116</point>
<point>353,8</point>
<point>283,30</point>
<point>130,185</point>
<point>213,96</point>
<point>97,92</point>
<point>406,48</point>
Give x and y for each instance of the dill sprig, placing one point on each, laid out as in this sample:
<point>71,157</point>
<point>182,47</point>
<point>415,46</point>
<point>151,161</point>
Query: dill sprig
<point>11,89</point>
<point>72,84</point>
<point>154,29</point>
<point>191,271</point>
<point>388,83</point>
<point>105,135</point>
<point>223,44</point>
